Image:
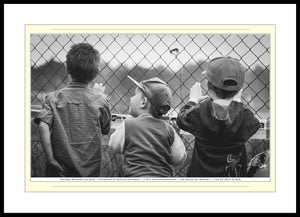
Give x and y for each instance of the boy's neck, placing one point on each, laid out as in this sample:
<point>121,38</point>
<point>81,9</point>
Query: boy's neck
<point>76,81</point>
<point>144,114</point>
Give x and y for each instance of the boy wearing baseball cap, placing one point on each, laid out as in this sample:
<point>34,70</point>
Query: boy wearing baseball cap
<point>149,144</point>
<point>220,122</point>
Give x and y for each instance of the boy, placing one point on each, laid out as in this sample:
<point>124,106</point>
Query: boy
<point>220,123</point>
<point>150,145</point>
<point>73,118</point>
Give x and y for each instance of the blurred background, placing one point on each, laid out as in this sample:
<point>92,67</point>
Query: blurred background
<point>178,59</point>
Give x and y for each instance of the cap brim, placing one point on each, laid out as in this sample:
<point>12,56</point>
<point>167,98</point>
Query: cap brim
<point>134,81</point>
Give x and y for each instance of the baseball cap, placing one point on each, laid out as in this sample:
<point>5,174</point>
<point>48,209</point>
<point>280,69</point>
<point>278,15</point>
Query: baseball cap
<point>226,73</point>
<point>157,92</point>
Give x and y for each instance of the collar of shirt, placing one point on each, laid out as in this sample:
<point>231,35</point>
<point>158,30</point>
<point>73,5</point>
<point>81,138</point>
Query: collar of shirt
<point>145,114</point>
<point>78,84</point>
<point>226,102</point>
<point>223,102</point>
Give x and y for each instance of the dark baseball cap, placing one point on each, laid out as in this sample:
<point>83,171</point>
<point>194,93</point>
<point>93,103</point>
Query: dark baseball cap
<point>226,73</point>
<point>157,92</point>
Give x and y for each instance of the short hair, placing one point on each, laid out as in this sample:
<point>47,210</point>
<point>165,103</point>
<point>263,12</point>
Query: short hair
<point>83,62</point>
<point>153,111</point>
<point>222,94</point>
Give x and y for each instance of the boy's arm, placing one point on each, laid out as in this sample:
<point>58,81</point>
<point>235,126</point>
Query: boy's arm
<point>44,132</point>
<point>44,121</point>
<point>178,151</point>
<point>105,119</point>
<point>187,115</point>
<point>46,114</point>
<point>105,113</point>
<point>117,139</point>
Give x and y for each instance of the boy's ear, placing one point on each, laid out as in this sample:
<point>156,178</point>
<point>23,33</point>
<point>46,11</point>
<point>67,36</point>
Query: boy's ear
<point>144,103</point>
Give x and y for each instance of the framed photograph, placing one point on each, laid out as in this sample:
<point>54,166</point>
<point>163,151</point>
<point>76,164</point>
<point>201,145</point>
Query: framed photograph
<point>176,54</point>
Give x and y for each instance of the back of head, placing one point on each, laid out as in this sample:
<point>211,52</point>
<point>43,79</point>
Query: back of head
<point>83,62</point>
<point>158,93</point>
<point>225,75</point>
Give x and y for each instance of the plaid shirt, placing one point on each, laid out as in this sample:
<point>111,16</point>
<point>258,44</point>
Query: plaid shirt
<point>77,117</point>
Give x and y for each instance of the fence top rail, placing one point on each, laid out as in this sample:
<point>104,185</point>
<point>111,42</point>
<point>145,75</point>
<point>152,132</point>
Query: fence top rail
<point>263,132</point>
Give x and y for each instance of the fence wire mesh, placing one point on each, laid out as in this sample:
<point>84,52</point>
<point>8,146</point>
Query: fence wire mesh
<point>178,59</point>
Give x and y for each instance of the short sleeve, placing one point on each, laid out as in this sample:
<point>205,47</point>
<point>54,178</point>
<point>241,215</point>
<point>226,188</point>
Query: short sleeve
<point>46,114</point>
<point>117,139</point>
<point>178,150</point>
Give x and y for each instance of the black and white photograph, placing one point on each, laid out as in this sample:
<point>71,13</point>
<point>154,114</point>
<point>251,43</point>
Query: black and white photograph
<point>150,105</point>
<point>149,108</point>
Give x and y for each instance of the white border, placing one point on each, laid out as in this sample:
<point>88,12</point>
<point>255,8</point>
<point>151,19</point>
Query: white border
<point>16,16</point>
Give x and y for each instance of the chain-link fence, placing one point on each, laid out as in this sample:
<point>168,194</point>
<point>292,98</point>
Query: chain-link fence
<point>178,59</point>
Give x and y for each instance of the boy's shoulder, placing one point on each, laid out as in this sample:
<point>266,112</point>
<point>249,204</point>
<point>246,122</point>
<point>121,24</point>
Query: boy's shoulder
<point>144,119</point>
<point>203,104</point>
<point>52,95</point>
<point>87,94</point>
<point>250,119</point>
<point>99,99</point>
<point>149,122</point>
